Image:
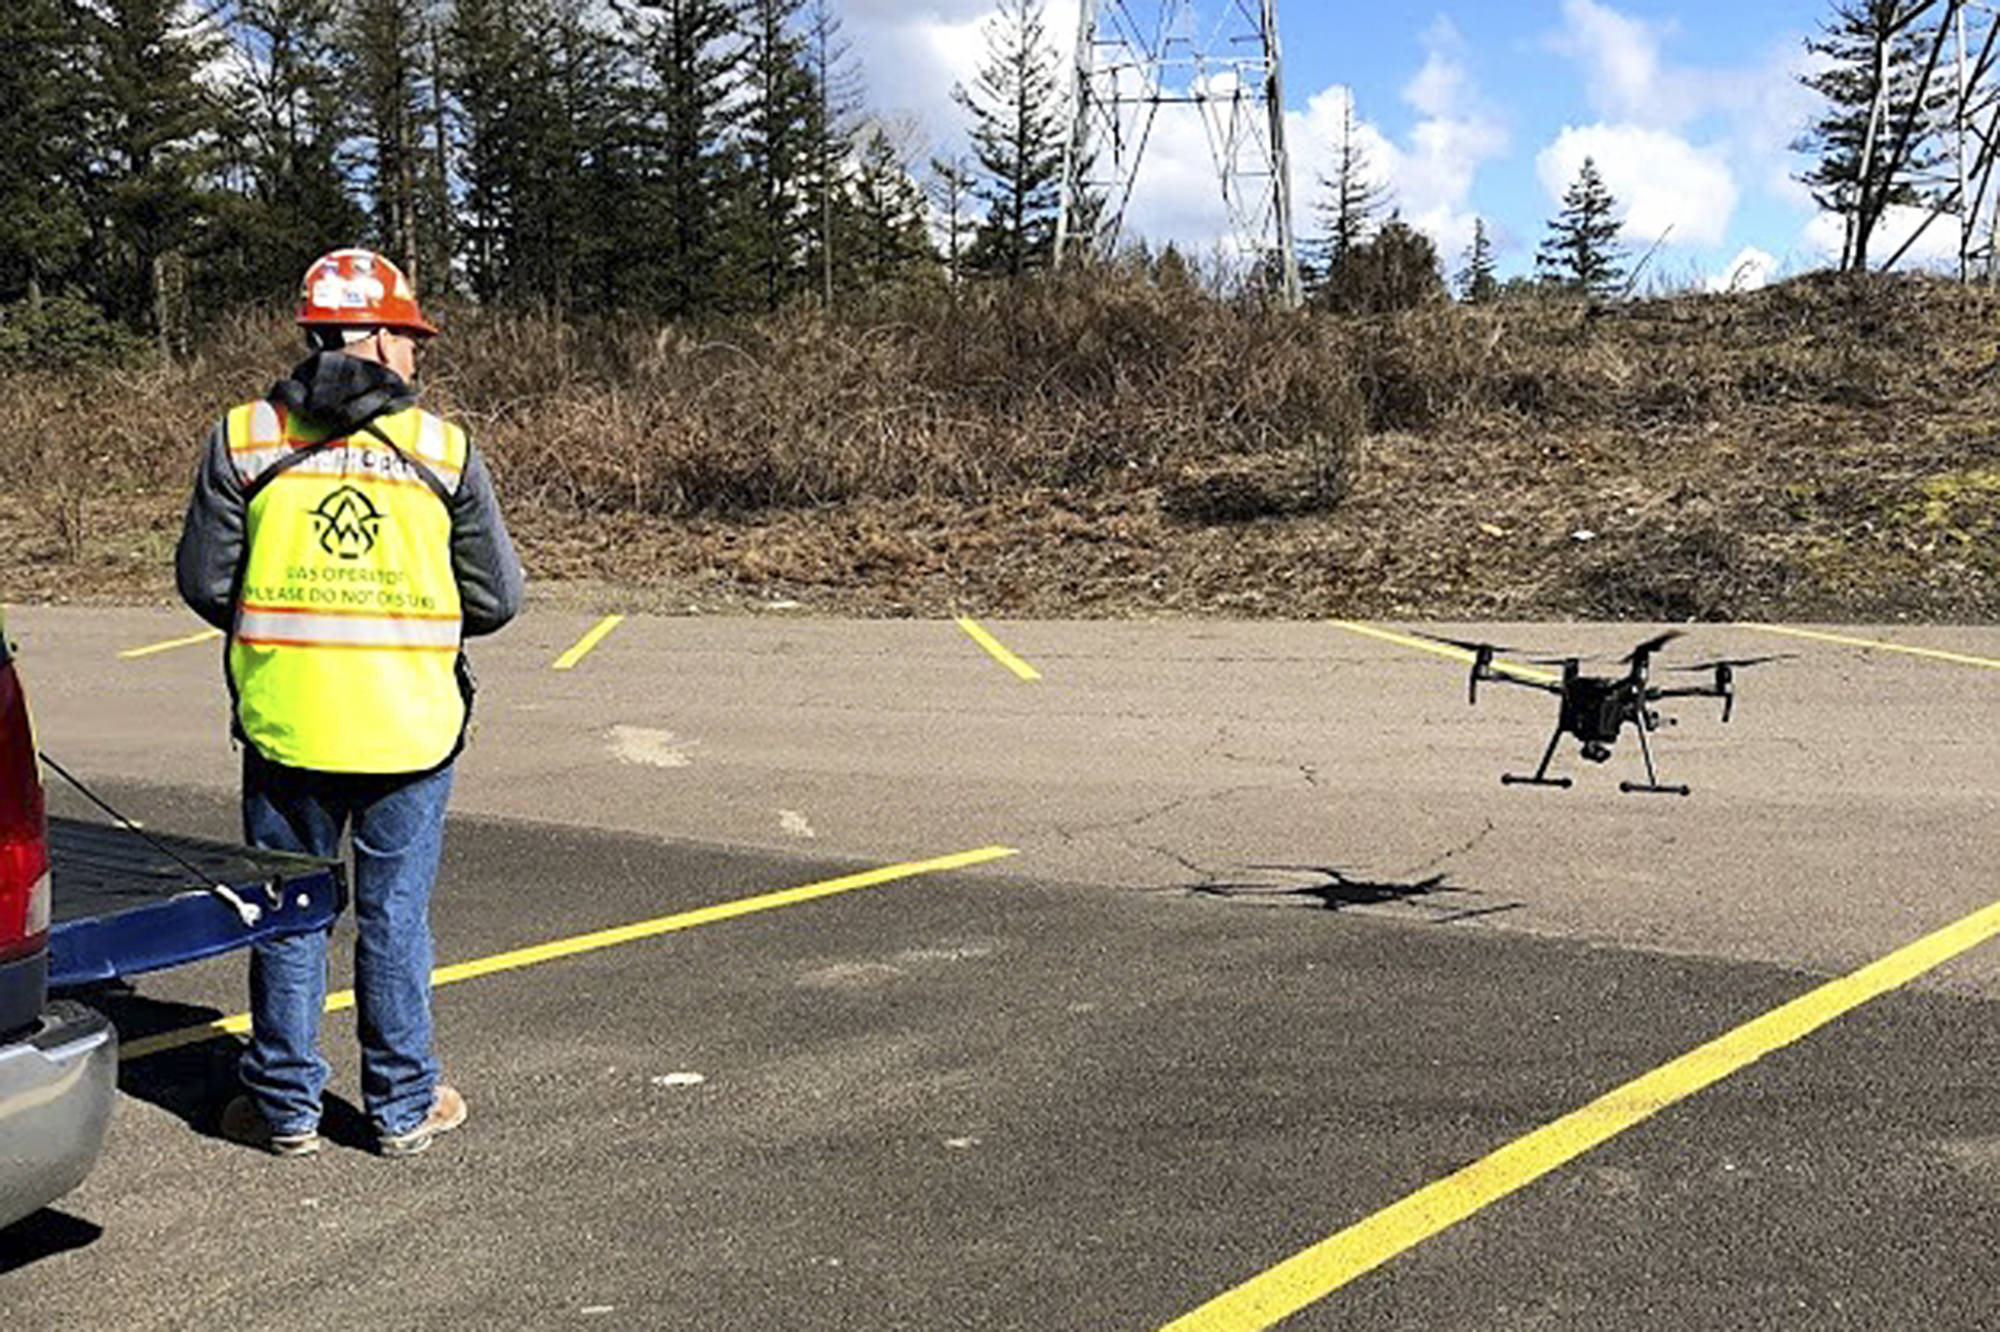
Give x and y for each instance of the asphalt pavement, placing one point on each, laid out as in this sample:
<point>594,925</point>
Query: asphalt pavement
<point>1253,950</point>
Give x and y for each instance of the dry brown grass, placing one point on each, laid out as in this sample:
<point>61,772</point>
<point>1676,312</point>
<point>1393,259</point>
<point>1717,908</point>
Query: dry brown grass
<point>1823,449</point>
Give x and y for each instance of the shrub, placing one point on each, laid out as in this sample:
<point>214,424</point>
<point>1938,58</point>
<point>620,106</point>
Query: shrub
<point>62,332</point>
<point>1395,269</point>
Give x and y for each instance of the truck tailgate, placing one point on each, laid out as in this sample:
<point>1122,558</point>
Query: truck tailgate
<point>123,907</point>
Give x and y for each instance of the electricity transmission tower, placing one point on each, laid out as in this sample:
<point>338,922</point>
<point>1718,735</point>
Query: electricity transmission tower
<point>1134,57</point>
<point>1963,55</point>
<point>1975,131</point>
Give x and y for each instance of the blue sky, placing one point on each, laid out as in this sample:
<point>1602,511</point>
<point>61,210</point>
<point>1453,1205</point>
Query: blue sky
<point>1689,108</point>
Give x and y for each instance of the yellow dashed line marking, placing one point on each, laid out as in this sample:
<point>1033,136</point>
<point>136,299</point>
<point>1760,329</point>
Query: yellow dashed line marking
<point>569,659</point>
<point>1443,650</point>
<point>999,652</point>
<point>205,636</point>
<point>1936,654</point>
<point>239,1024</point>
<point>1317,1272</point>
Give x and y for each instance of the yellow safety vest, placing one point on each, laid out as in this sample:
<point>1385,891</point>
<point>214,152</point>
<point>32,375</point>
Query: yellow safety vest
<point>345,651</point>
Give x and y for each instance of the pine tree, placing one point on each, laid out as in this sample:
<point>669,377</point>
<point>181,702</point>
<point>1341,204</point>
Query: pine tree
<point>387,69</point>
<point>594,103</point>
<point>1881,80</point>
<point>887,236</point>
<point>780,148</point>
<point>837,99</point>
<point>1477,283</point>
<point>42,159</point>
<point>290,200</point>
<point>150,128</point>
<point>951,197</point>
<point>1018,130</point>
<point>1581,252</point>
<point>1350,199</point>
<point>485,46</point>
<point>528,82</point>
<point>577,151</point>
<point>687,54</point>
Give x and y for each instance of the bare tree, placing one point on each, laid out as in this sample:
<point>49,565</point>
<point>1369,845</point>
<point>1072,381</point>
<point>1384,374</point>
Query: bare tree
<point>1351,197</point>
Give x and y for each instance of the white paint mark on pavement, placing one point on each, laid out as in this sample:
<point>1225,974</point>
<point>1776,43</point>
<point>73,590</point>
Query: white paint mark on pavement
<point>961,953</point>
<point>850,976</point>
<point>680,1079</point>
<point>795,823</point>
<point>650,748</point>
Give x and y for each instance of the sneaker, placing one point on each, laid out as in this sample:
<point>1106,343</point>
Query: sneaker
<point>242,1122</point>
<point>447,1113</point>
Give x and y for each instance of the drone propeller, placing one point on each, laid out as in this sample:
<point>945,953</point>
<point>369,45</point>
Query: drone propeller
<point>1736,662</point>
<point>1650,646</point>
<point>1482,658</point>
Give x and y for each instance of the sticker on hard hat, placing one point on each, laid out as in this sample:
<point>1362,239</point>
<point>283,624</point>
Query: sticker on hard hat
<point>338,293</point>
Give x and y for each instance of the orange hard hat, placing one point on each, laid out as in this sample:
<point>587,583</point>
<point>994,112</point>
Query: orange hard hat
<point>359,288</point>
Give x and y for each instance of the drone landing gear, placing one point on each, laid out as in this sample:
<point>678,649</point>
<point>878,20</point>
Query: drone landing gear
<point>1651,786</point>
<point>1598,753</point>
<point>1541,777</point>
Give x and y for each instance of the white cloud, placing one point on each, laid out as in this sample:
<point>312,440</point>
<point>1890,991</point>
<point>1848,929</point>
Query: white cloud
<point>1621,59</point>
<point>1629,80</point>
<point>1665,186</point>
<point>1751,269</point>
<point>913,55</point>
<point>1429,175</point>
<point>1746,114</point>
<point>1458,133</point>
<point>1936,247</point>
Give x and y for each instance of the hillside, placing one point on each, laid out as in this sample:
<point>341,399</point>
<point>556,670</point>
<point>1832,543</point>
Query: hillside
<point>1827,449</point>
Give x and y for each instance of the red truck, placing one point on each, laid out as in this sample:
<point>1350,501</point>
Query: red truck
<point>87,902</point>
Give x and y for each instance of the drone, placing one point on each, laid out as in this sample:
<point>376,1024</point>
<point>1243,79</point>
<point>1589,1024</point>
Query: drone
<point>1596,708</point>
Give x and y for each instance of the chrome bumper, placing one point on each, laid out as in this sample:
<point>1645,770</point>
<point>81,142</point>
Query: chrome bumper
<point>56,1090</point>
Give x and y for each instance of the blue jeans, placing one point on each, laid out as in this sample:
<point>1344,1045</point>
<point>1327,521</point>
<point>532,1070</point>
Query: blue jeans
<point>397,821</point>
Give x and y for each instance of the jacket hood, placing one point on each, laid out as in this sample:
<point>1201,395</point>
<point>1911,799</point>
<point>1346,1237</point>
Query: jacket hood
<point>342,391</point>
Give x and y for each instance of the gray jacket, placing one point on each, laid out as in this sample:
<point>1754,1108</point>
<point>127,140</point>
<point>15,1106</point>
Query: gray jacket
<point>342,392</point>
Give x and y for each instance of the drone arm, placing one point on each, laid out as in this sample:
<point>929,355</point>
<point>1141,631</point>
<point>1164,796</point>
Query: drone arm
<point>1501,677</point>
<point>1724,688</point>
<point>1483,669</point>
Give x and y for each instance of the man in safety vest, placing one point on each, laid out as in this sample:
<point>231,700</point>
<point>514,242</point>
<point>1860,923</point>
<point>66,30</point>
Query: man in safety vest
<point>347,541</point>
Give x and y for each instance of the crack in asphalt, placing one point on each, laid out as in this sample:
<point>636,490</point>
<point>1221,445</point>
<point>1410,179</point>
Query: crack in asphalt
<point>1447,857</point>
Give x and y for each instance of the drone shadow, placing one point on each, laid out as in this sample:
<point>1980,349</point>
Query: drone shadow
<point>1337,890</point>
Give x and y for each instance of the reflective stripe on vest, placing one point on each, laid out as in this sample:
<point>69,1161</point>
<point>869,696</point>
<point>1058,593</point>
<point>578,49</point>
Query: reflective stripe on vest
<point>345,647</point>
<point>263,444</point>
<point>278,625</point>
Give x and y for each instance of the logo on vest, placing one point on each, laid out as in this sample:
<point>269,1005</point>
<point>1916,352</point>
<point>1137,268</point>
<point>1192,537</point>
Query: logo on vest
<point>347,521</point>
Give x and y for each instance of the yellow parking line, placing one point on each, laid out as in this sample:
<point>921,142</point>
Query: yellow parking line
<point>1000,653</point>
<point>1318,1271</point>
<point>206,635</point>
<point>239,1023</point>
<point>1442,650</point>
<point>590,640</point>
<point>1934,653</point>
